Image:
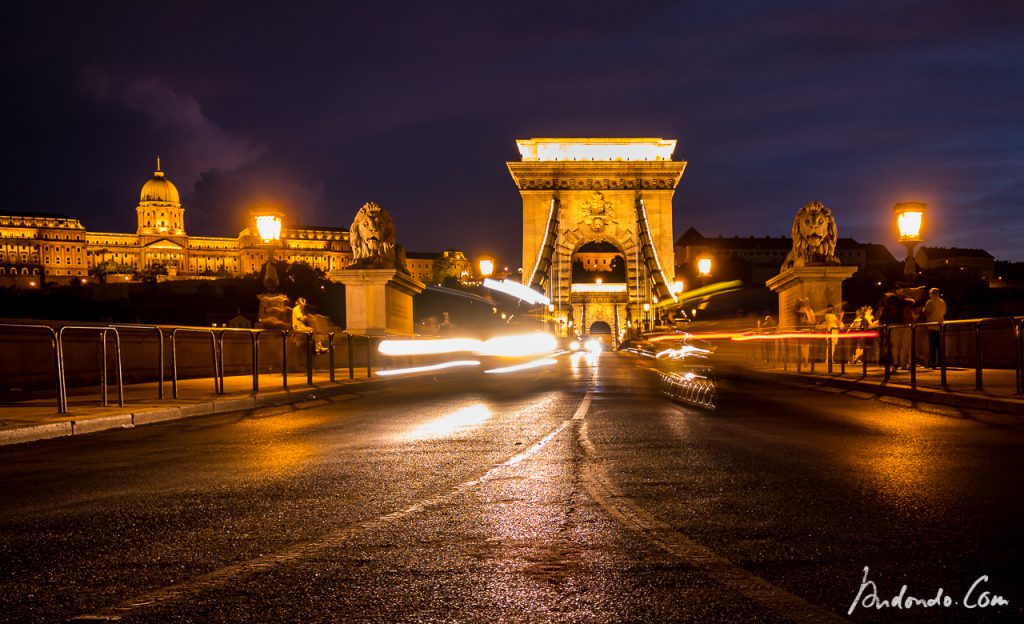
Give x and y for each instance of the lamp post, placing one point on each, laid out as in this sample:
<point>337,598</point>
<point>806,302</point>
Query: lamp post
<point>704,270</point>
<point>486,267</point>
<point>647,317</point>
<point>909,220</point>
<point>268,224</point>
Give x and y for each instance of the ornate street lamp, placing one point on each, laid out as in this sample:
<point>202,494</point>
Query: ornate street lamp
<point>647,317</point>
<point>486,266</point>
<point>909,220</point>
<point>704,270</point>
<point>704,267</point>
<point>268,225</point>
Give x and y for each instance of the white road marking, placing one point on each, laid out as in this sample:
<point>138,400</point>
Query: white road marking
<point>630,514</point>
<point>222,576</point>
<point>581,411</point>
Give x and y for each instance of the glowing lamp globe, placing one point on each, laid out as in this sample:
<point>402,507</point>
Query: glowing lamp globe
<point>486,267</point>
<point>704,266</point>
<point>677,286</point>
<point>269,227</point>
<point>910,219</point>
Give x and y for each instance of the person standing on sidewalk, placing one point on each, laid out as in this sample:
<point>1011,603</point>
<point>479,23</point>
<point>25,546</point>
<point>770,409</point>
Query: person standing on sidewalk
<point>889,313</point>
<point>832,325</point>
<point>934,312</point>
<point>805,321</point>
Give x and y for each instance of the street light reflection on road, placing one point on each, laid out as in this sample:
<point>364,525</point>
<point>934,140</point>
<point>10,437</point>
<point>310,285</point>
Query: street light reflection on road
<point>275,450</point>
<point>590,358</point>
<point>455,422</point>
<point>901,461</point>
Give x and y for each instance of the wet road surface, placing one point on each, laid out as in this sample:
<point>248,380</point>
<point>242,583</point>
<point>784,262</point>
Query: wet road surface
<point>579,496</point>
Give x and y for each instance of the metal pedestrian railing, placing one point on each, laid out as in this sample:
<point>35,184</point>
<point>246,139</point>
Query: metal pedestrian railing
<point>222,343</point>
<point>58,368</point>
<point>982,345</point>
<point>104,377</point>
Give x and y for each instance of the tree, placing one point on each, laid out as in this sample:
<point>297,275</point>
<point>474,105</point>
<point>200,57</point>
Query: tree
<point>151,274</point>
<point>451,265</point>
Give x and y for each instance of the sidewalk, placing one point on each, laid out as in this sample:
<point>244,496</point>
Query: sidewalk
<point>37,419</point>
<point>998,391</point>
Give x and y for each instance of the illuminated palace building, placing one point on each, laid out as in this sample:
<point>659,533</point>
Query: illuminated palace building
<point>41,248</point>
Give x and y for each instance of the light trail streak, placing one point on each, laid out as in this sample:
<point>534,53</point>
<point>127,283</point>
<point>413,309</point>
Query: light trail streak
<point>521,367</point>
<point>427,369</point>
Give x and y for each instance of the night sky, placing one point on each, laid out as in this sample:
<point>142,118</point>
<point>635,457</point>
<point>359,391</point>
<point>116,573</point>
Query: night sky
<point>319,107</point>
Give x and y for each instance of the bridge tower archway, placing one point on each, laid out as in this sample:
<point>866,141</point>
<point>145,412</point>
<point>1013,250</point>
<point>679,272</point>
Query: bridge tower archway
<point>578,193</point>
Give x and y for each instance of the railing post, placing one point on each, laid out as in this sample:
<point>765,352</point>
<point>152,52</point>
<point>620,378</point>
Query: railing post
<point>351,356</point>
<point>217,388</point>
<point>220,358</point>
<point>160,374</point>
<point>1019,355</point>
<point>369,349</point>
<point>284,359</point>
<point>913,356</point>
<point>330,348</point>
<point>309,359</point>
<point>844,352</point>
<point>58,361</point>
<point>942,356</point>
<point>977,356</point>
<point>829,356</point>
<point>864,359</point>
<point>254,337</point>
<point>103,368</point>
<point>120,372</point>
<point>887,350</point>
<point>174,363</point>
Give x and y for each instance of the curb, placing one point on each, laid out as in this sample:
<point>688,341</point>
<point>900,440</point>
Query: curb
<point>36,432</point>
<point>221,405</point>
<point>924,395</point>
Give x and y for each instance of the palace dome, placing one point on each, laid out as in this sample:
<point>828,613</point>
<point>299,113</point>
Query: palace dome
<point>159,189</point>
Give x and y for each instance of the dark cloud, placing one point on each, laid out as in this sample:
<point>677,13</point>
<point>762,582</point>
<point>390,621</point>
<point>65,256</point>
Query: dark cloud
<point>194,142</point>
<point>323,106</point>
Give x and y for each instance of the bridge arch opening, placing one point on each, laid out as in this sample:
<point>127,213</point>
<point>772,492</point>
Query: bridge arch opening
<point>598,260</point>
<point>600,327</point>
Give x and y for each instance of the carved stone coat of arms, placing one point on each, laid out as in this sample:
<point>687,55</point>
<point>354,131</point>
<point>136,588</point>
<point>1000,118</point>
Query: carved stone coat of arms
<point>598,213</point>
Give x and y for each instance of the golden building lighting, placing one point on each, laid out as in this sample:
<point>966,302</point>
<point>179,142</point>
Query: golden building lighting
<point>54,248</point>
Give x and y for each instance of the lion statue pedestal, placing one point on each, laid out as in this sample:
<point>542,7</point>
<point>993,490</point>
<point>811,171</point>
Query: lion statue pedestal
<point>378,302</point>
<point>821,284</point>
<point>378,286</point>
<point>811,269</point>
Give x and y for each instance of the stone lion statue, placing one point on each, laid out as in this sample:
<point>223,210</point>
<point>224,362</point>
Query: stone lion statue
<point>372,237</point>
<point>814,237</point>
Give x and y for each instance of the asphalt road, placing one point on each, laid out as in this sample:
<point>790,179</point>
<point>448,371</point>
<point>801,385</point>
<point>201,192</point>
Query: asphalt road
<point>581,496</point>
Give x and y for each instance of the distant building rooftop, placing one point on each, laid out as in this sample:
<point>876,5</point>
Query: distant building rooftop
<point>938,253</point>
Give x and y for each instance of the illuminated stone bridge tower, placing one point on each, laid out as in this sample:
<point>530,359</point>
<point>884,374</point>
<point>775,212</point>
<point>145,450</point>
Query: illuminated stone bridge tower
<point>597,228</point>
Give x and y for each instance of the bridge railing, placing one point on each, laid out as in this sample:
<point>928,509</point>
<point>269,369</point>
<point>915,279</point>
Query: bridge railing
<point>79,354</point>
<point>981,345</point>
